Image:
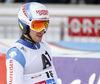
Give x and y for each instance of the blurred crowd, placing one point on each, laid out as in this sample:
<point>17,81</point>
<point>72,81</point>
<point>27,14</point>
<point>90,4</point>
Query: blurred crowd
<point>55,1</point>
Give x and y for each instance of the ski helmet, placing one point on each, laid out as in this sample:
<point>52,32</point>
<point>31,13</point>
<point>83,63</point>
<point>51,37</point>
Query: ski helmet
<point>31,15</point>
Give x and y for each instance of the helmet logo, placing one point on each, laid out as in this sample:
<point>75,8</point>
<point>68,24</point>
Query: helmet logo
<point>21,26</point>
<point>23,9</point>
<point>42,12</point>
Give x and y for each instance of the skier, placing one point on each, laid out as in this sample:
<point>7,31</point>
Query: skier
<point>29,60</point>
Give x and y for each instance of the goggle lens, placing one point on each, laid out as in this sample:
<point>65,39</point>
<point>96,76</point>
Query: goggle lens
<point>38,25</point>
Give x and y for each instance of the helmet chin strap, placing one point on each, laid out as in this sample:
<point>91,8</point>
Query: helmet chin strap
<point>33,42</point>
<point>29,36</point>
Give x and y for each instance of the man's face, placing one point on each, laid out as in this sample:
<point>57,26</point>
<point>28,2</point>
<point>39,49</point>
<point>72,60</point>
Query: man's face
<point>36,36</point>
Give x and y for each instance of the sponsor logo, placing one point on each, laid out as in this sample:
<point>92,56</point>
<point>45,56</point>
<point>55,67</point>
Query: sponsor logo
<point>50,81</point>
<point>42,12</point>
<point>12,54</point>
<point>23,48</point>
<point>84,26</point>
<point>36,76</point>
<point>10,71</point>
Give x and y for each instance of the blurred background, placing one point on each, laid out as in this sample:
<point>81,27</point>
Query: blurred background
<point>73,35</point>
<point>70,20</point>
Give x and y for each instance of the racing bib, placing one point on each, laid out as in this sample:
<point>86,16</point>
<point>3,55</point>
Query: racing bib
<point>44,77</point>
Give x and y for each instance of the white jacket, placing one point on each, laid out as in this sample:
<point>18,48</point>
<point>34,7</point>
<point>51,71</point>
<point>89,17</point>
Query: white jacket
<point>27,65</point>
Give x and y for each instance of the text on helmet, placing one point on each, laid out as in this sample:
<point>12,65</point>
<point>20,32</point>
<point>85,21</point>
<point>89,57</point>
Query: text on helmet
<point>42,12</point>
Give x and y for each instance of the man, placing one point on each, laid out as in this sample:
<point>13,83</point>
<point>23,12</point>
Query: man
<point>29,60</point>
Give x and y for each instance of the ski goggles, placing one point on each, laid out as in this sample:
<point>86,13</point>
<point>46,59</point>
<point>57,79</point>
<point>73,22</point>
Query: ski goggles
<point>39,25</point>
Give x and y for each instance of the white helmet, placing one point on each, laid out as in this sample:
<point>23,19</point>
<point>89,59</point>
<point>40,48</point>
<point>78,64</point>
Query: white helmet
<point>31,11</point>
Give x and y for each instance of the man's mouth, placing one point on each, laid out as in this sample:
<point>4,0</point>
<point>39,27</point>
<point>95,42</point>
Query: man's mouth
<point>39,35</point>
